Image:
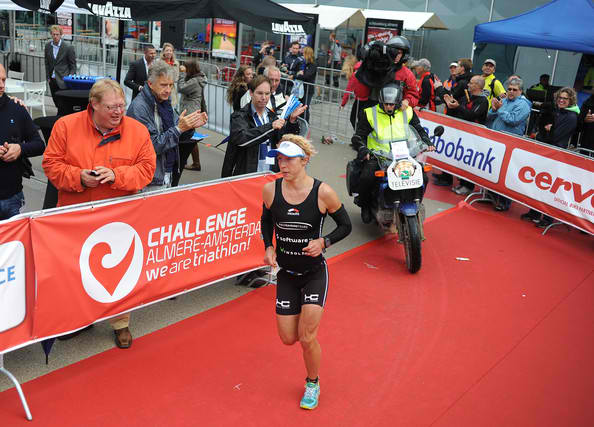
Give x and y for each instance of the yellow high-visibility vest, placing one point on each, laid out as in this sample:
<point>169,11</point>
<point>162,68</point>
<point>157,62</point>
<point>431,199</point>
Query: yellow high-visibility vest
<point>387,128</point>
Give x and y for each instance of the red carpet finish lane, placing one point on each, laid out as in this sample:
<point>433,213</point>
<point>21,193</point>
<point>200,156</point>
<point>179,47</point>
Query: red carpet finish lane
<point>505,338</point>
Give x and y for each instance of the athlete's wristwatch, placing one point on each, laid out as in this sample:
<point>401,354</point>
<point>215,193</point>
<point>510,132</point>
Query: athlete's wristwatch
<point>327,243</point>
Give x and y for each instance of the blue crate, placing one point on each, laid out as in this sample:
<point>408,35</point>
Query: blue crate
<point>82,82</point>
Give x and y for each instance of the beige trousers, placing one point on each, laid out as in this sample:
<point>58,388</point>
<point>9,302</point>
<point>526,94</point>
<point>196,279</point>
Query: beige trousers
<point>120,322</point>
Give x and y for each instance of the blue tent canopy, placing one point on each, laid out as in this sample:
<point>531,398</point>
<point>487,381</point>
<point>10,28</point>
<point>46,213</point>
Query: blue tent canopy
<point>560,25</point>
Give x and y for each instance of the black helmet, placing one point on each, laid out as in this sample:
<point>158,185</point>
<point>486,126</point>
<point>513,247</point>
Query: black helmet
<point>391,94</point>
<point>398,42</point>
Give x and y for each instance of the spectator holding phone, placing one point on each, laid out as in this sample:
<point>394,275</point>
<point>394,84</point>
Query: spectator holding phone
<point>100,154</point>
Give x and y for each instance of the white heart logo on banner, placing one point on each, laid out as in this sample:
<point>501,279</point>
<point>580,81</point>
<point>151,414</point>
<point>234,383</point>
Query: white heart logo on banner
<point>111,262</point>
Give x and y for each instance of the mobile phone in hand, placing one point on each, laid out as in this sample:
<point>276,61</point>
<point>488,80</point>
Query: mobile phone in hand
<point>93,173</point>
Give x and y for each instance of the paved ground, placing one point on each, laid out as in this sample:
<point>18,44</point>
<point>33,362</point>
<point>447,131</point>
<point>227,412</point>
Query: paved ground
<point>329,165</point>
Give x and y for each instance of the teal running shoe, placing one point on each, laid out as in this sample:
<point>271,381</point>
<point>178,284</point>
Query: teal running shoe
<point>311,396</point>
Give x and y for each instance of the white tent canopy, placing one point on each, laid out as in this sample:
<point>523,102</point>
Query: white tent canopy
<point>331,17</point>
<point>67,7</point>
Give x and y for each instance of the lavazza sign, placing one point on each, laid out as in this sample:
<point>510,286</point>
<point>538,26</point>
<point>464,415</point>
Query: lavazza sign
<point>108,10</point>
<point>286,29</point>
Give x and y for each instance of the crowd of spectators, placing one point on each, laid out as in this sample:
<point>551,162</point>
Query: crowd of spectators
<point>109,151</point>
<point>483,99</point>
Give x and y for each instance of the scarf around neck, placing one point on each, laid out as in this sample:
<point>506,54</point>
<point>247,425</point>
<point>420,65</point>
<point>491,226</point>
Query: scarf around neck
<point>165,111</point>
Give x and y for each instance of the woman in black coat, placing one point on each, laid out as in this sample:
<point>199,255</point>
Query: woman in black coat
<point>556,127</point>
<point>239,86</point>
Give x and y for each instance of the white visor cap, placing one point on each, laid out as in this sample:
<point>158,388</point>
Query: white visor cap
<point>287,148</point>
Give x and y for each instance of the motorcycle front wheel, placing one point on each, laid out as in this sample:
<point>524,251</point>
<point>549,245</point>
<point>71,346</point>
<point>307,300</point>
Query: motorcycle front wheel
<point>412,244</point>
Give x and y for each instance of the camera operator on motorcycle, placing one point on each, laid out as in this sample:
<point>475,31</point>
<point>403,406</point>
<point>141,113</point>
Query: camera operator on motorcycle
<point>383,63</point>
<point>377,128</point>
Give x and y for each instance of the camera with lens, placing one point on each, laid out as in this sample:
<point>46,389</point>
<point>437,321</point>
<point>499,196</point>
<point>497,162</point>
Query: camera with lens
<point>378,61</point>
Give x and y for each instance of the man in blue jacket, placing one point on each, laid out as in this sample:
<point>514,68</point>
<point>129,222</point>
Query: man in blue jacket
<point>509,113</point>
<point>19,139</point>
<point>152,107</point>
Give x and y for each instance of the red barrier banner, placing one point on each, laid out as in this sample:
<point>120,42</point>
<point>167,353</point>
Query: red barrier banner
<point>556,182</point>
<point>95,262</point>
<point>17,283</point>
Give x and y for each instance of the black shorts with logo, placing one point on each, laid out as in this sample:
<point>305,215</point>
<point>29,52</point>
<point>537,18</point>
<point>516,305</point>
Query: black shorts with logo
<point>294,289</point>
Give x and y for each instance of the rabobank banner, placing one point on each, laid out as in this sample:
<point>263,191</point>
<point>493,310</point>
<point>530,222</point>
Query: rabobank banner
<point>557,182</point>
<point>17,283</point>
<point>62,270</point>
<point>477,155</point>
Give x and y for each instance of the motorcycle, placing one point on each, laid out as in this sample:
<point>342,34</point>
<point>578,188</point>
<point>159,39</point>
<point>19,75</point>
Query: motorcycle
<point>397,200</point>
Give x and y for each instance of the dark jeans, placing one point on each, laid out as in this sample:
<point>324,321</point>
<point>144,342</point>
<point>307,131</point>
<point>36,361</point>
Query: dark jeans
<point>12,206</point>
<point>335,65</point>
<point>51,196</point>
<point>53,89</point>
<point>502,201</point>
<point>185,149</point>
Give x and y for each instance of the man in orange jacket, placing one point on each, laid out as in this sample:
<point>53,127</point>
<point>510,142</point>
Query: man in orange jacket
<point>100,154</point>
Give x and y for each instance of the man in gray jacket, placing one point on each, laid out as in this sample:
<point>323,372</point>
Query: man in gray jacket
<point>152,107</point>
<point>60,61</point>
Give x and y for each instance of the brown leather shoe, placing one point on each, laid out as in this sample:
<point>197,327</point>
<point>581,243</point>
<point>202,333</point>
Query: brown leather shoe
<point>123,338</point>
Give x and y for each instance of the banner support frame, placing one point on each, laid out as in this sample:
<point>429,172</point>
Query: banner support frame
<point>18,387</point>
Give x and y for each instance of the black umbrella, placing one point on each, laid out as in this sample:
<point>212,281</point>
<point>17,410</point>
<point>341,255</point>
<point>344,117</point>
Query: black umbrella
<point>47,347</point>
<point>262,14</point>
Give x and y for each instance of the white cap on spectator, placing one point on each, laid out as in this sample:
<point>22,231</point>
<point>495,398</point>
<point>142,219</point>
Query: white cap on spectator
<point>289,149</point>
<point>490,61</point>
<point>453,64</point>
